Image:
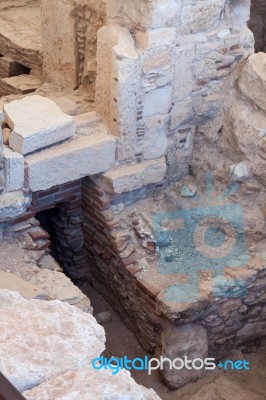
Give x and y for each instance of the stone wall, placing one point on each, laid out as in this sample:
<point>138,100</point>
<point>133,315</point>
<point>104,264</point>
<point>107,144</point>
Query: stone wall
<point>257,24</point>
<point>69,32</point>
<point>163,68</point>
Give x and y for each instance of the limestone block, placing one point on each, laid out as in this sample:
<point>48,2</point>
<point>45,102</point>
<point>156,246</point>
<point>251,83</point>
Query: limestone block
<point>90,384</point>
<point>144,14</point>
<point>183,75</point>
<point>58,286</point>
<point>83,156</point>
<point>125,83</point>
<point>224,389</point>
<point>155,141</point>
<point>181,113</point>
<point>157,37</point>
<point>157,60</point>
<point>12,282</point>
<point>252,81</point>
<point>201,15</point>
<point>14,170</point>
<point>36,122</point>
<point>12,205</point>
<point>107,38</point>
<point>17,85</point>
<point>157,101</point>
<point>179,341</point>
<point>40,334</point>
<point>84,122</point>
<point>133,177</point>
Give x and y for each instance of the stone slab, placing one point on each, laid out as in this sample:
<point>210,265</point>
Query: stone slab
<point>14,170</point>
<point>88,384</point>
<point>82,156</point>
<point>40,334</point>
<point>22,84</point>
<point>26,289</point>
<point>37,122</point>
<point>133,177</point>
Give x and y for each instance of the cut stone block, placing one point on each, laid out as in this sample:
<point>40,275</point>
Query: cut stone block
<point>22,84</point>
<point>12,282</point>
<point>14,170</point>
<point>83,156</point>
<point>36,122</point>
<point>9,68</point>
<point>252,81</point>
<point>133,177</point>
<point>157,101</point>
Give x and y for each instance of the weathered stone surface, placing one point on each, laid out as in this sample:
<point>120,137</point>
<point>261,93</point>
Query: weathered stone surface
<point>201,15</point>
<point>157,101</point>
<point>12,205</point>
<point>252,81</point>
<point>89,384</point>
<point>14,170</point>
<point>12,282</point>
<point>36,122</point>
<point>70,161</point>
<point>133,177</point>
<point>177,342</point>
<point>22,84</point>
<point>35,335</point>
<point>58,286</point>
<point>20,34</point>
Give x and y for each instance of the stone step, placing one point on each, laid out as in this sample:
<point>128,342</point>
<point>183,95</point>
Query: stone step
<point>22,84</point>
<point>9,67</point>
<point>20,35</point>
<point>82,156</point>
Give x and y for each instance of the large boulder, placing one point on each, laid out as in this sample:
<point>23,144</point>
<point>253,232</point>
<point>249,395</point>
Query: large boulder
<point>36,335</point>
<point>89,384</point>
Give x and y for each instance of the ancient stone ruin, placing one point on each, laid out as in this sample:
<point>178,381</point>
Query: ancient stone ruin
<point>132,160</point>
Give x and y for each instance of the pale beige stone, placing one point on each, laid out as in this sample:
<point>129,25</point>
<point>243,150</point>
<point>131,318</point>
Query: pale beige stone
<point>36,122</point>
<point>14,170</point>
<point>22,84</point>
<point>58,286</point>
<point>201,15</point>
<point>36,335</point>
<point>133,177</point>
<point>82,156</point>
<point>252,81</point>
<point>28,290</point>
<point>89,384</point>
